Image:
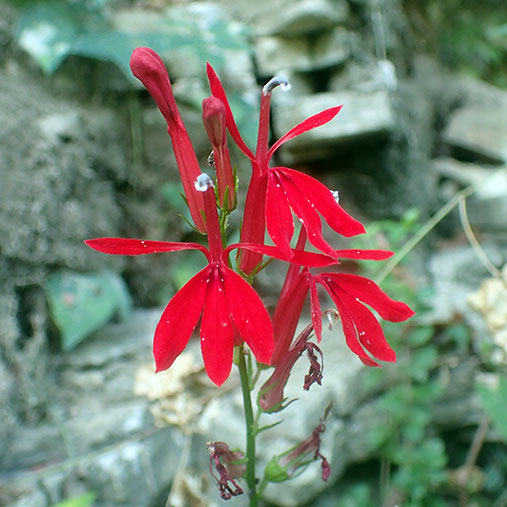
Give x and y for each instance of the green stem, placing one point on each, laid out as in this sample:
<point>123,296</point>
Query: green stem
<point>250,430</point>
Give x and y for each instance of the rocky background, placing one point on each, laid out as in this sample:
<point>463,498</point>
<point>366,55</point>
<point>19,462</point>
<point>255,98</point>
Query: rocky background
<point>84,153</point>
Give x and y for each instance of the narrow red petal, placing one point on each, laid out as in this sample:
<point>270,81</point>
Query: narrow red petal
<point>254,222</point>
<point>315,308</point>
<point>309,124</point>
<point>370,293</point>
<point>121,246</point>
<point>279,220</point>
<point>249,316</point>
<point>348,326</point>
<point>369,330</point>
<point>178,320</point>
<point>216,330</point>
<point>218,91</point>
<point>305,211</point>
<point>317,193</point>
<point>298,257</point>
<point>286,317</point>
<point>372,255</point>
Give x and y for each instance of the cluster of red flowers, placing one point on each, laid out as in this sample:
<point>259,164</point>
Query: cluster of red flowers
<point>228,307</point>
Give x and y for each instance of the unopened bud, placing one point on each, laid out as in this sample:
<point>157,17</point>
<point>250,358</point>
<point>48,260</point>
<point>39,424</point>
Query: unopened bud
<point>213,117</point>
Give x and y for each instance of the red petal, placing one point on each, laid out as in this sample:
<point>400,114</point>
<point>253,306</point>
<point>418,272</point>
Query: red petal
<point>372,255</point>
<point>298,257</point>
<point>179,320</point>
<point>315,308</point>
<point>309,124</point>
<point>305,211</point>
<point>249,316</point>
<point>278,215</point>
<point>218,91</point>
<point>349,328</point>
<point>253,229</point>
<point>216,330</point>
<point>325,203</point>
<point>121,246</point>
<point>369,330</point>
<point>370,293</point>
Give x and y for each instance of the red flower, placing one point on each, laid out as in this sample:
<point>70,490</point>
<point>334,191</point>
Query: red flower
<point>274,192</point>
<point>297,285</point>
<point>361,328</point>
<point>227,303</point>
<point>149,68</point>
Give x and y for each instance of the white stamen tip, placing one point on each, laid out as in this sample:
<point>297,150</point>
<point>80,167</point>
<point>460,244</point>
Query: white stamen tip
<point>336,196</point>
<point>280,81</point>
<point>203,182</point>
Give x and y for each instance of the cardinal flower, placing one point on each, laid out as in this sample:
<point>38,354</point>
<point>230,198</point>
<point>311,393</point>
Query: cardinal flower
<point>368,334</point>
<point>350,293</point>
<point>275,192</point>
<point>229,306</point>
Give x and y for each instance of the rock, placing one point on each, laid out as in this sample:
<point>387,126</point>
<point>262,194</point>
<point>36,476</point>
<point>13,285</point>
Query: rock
<point>332,48</point>
<point>293,18</point>
<point>101,437</point>
<point>363,116</point>
<point>277,55</point>
<point>456,274</point>
<point>478,128</point>
<point>487,207</point>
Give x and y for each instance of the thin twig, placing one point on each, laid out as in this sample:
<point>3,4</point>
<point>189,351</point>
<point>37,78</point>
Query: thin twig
<point>430,225</point>
<point>476,247</point>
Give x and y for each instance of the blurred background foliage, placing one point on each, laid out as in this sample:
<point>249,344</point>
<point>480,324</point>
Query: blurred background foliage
<point>466,35</point>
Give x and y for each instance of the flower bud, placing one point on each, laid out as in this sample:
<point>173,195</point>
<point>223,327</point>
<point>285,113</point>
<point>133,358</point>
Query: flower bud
<point>214,119</point>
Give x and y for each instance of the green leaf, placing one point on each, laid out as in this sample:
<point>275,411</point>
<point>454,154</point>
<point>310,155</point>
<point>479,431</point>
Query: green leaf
<point>85,500</point>
<point>495,404</point>
<point>421,335</point>
<point>47,30</point>
<point>82,303</point>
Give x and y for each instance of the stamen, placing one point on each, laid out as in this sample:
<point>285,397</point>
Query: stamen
<point>274,82</point>
<point>203,182</point>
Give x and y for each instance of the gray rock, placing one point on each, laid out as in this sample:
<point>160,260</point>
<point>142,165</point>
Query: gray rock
<point>364,115</point>
<point>456,274</point>
<point>487,207</point>
<point>100,438</point>
<point>277,55</point>
<point>478,128</point>
<point>290,18</point>
<point>332,48</point>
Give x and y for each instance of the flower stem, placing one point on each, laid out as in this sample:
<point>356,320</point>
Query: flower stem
<point>250,430</point>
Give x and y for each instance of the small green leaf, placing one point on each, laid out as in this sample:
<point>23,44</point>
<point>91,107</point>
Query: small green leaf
<point>85,500</point>
<point>82,303</point>
<point>495,404</point>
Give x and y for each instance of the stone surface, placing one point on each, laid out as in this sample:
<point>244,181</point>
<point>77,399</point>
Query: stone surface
<point>290,18</point>
<point>277,55</point>
<point>478,128</point>
<point>100,436</point>
<point>487,207</point>
<point>363,116</point>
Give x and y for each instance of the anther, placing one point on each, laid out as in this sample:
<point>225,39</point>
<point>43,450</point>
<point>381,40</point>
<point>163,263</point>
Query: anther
<point>274,82</point>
